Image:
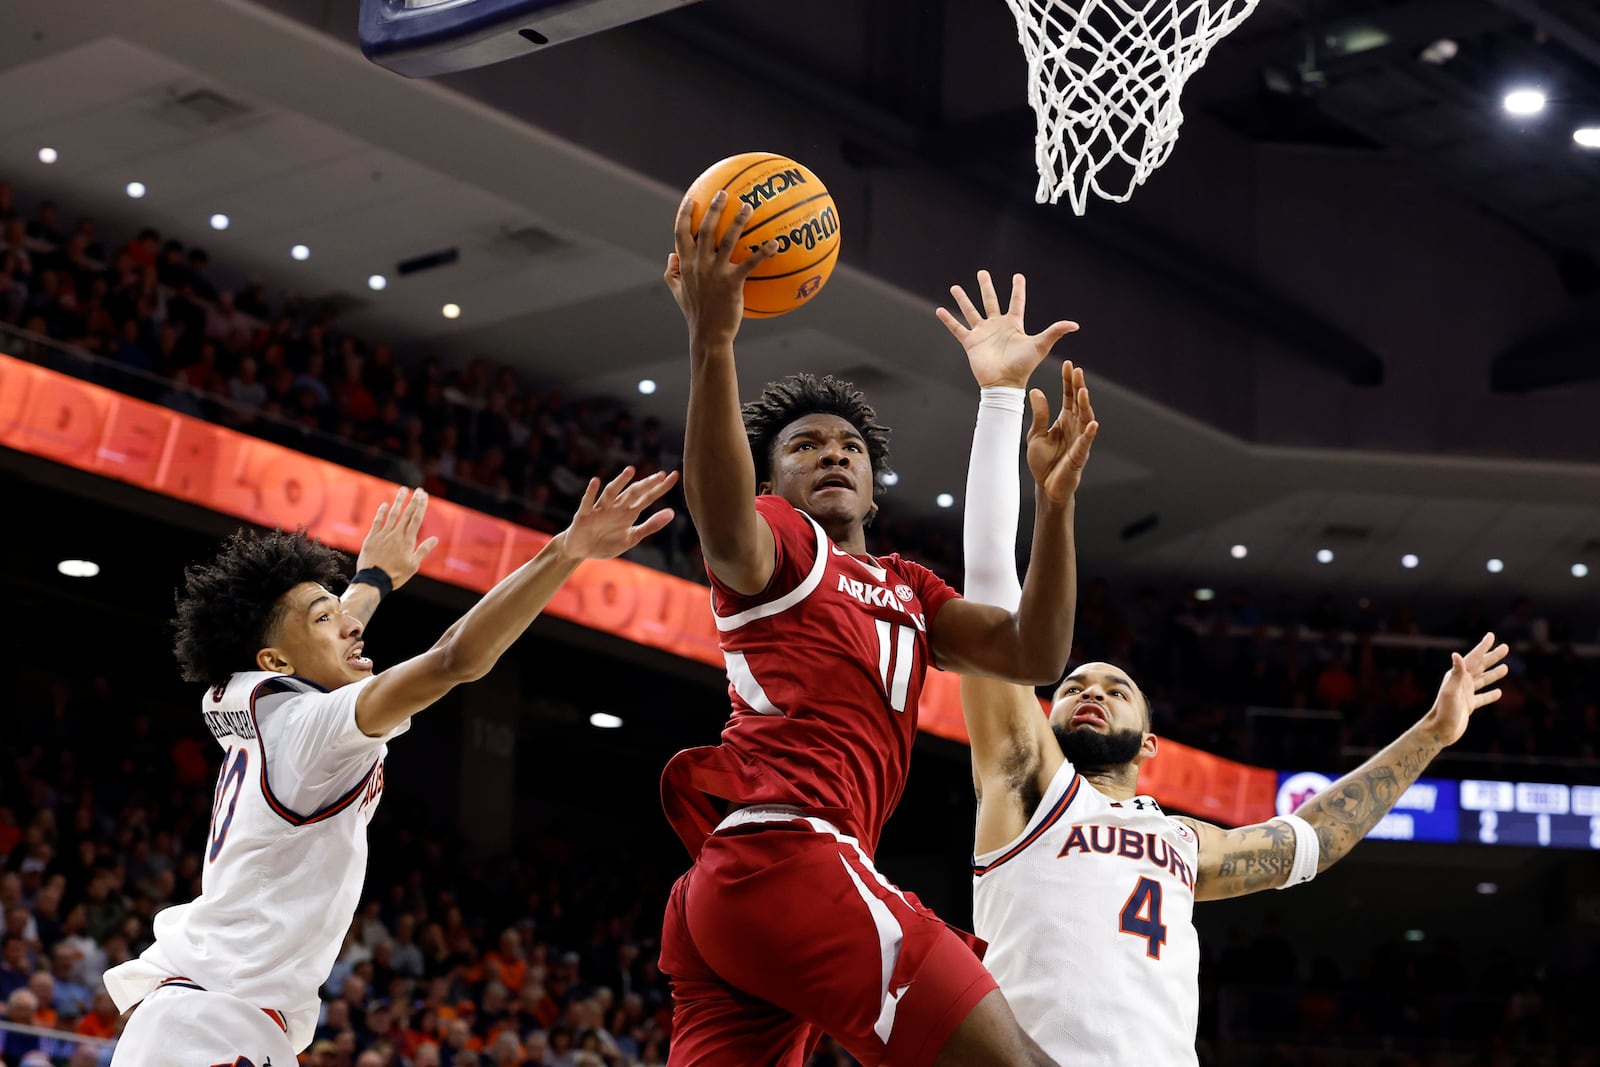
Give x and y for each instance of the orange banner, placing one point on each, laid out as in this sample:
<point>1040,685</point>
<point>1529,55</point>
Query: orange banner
<point>102,431</point>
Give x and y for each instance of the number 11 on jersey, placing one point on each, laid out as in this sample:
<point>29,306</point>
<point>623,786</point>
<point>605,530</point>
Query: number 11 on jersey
<point>897,648</point>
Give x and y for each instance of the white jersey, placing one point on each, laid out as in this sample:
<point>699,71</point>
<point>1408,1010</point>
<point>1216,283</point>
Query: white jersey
<point>286,855</point>
<point>1089,916</point>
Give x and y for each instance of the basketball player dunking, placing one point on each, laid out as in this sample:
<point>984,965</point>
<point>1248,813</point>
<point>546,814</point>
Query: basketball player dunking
<point>304,723</point>
<point>783,929</point>
<point>1085,890</point>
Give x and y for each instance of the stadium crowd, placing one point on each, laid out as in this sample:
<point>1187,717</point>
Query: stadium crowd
<point>549,958</point>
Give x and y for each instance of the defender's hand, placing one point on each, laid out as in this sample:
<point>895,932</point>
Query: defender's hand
<point>1000,351</point>
<point>603,527</point>
<point>391,545</point>
<point>1462,691</point>
<point>1057,452</point>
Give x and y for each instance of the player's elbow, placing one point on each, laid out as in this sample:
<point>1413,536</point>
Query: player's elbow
<point>456,665</point>
<point>1040,666</point>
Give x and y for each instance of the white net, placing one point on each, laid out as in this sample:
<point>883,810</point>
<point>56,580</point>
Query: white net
<point>1104,78</point>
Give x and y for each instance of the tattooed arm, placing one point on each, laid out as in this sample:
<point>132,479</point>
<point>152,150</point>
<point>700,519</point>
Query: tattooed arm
<point>1252,858</point>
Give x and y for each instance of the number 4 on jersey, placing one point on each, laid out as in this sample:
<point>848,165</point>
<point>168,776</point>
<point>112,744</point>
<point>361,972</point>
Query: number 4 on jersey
<point>1141,916</point>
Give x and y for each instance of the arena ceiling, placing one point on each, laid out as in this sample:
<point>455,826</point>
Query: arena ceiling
<point>1356,309</point>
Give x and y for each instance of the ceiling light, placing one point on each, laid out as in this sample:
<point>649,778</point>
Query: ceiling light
<point>451,311</point>
<point>1409,561</point>
<point>377,282</point>
<point>136,189</point>
<point>1324,555</point>
<point>1487,889</point>
<point>890,478</point>
<point>647,386</point>
<point>219,221</point>
<point>1439,52</point>
<point>48,155</point>
<point>1496,566</point>
<point>1587,136</point>
<point>1580,570</point>
<point>605,720</point>
<point>1359,39</point>
<point>300,253</point>
<point>1238,552</point>
<point>1524,101</point>
<point>945,500</point>
<point>1204,594</point>
<point>78,568</point>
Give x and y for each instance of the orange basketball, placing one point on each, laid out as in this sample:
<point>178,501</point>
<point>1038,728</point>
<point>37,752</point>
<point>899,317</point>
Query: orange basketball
<point>788,205</point>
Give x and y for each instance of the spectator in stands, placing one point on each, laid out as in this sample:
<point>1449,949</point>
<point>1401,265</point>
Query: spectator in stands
<point>102,1018</point>
<point>22,1009</point>
<point>72,998</point>
<point>15,965</point>
<point>245,388</point>
<point>46,224</point>
<point>46,1014</point>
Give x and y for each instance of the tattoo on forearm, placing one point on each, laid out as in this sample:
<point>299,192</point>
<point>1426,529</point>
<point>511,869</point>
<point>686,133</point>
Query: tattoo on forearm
<point>1259,858</point>
<point>1346,811</point>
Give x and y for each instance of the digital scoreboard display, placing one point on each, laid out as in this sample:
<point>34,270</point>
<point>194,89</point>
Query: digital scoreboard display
<point>1474,811</point>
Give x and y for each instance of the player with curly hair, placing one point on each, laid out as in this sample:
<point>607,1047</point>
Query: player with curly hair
<point>783,928</point>
<point>304,722</point>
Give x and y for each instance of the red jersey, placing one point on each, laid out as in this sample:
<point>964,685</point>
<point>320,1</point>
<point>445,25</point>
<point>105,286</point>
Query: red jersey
<point>825,667</point>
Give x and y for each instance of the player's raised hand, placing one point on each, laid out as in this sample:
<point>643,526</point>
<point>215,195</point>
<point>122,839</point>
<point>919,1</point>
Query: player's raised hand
<point>391,545</point>
<point>1000,351</point>
<point>604,526</point>
<point>707,284</point>
<point>1463,690</point>
<point>1058,451</point>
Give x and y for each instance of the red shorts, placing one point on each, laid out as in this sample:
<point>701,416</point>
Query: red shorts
<point>783,931</point>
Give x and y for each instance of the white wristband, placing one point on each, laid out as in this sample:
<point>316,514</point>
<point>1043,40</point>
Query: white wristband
<point>989,525</point>
<point>1307,851</point>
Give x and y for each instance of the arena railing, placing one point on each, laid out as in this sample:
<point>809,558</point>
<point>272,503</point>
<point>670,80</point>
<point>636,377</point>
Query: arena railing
<point>58,1046</point>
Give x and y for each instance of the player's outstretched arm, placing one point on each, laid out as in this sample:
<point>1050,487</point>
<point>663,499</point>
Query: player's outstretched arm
<point>391,547</point>
<point>719,475</point>
<point>1031,646</point>
<point>1253,858</point>
<point>606,525</point>
<point>1009,736</point>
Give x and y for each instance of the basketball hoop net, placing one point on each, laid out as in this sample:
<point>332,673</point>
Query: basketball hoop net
<point>1104,78</point>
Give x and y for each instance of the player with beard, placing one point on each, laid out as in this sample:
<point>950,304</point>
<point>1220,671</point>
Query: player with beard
<point>1083,888</point>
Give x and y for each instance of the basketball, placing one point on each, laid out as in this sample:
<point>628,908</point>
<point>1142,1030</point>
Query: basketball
<point>790,205</point>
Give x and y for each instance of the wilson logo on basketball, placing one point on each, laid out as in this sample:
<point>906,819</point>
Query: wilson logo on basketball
<point>808,234</point>
<point>778,183</point>
<point>809,287</point>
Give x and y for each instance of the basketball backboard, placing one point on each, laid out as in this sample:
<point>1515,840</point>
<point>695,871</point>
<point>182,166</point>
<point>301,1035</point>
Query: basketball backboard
<point>419,38</point>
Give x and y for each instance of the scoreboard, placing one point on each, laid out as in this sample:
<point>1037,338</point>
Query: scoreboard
<point>1474,811</point>
<point>1532,814</point>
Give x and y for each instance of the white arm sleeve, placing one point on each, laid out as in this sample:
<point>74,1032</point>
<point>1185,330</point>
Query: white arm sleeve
<point>989,527</point>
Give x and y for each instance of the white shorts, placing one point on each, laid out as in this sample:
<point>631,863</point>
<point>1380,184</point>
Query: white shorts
<point>180,1026</point>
